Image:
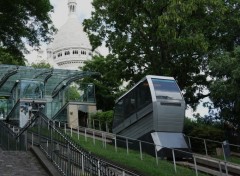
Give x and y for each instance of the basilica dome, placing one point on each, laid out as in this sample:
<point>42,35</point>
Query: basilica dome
<point>71,35</point>
<point>71,46</point>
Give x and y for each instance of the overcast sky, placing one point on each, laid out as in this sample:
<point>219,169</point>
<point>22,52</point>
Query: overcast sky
<point>84,9</point>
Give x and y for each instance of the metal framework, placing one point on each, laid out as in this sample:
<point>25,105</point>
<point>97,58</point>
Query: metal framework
<point>53,79</point>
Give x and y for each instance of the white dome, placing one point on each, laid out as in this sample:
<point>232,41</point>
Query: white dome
<point>71,35</point>
<point>71,47</point>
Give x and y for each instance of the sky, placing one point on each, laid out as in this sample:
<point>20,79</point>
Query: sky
<point>84,9</point>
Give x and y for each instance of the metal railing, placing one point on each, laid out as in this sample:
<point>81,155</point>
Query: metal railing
<point>67,156</point>
<point>9,139</point>
<point>120,142</point>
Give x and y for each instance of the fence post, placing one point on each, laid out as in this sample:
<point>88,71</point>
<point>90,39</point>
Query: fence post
<point>174,161</point>
<point>103,140</point>
<point>205,145</point>
<point>140,148</point>
<point>123,173</point>
<point>69,161</point>
<point>220,167</point>
<point>65,127</point>
<point>156,155</point>
<point>78,132</point>
<point>115,143</point>
<point>93,138</point>
<point>51,140</point>
<point>127,145</point>
<point>189,142</point>
<point>195,165</point>
<point>85,134</point>
<point>226,167</point>
<point>71,131</point>
<point>99,171</point>
<point>225,159</point>
<point>59,124</point>
<point>26,140</point>
<point>82,164</point>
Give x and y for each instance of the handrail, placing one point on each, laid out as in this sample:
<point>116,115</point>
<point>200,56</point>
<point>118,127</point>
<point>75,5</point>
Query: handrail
<point>75,152</point>
<point>28,124</point>
<point>59,111</point>
<point>12,110</point>
<point>8,139</point>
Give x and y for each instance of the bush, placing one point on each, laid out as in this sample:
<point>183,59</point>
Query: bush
<point>104,118</point>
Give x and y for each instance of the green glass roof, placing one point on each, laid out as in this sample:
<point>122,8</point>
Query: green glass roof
<point>54,79</point>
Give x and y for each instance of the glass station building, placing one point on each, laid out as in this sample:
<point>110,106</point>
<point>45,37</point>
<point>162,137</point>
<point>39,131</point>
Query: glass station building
<point>24,90</point>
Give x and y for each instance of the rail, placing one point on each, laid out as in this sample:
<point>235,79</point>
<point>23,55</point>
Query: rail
<point>220,166</point>
<point>8,140</point>
<point>68,156</point>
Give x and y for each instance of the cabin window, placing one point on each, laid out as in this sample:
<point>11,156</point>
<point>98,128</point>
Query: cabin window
<point>166,89</point>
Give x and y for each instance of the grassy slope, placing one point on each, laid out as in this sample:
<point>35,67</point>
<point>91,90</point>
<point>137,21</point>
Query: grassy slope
<point>147,166</point>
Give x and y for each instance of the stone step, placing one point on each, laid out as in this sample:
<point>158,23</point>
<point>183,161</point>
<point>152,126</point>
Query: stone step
<point>20,163</point>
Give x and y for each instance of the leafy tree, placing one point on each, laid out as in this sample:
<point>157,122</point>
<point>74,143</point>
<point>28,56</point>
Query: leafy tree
<point>72,94</point>
<point>8,58</point>
<point>104,118</point>
<point>23,22</point>
<point>107,83</point>
<point>173,38</point>
<point>41,64</point>
<point>225,94</point>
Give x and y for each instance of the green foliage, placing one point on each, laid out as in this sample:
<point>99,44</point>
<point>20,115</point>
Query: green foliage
<point>41,64</point>
<point>72,93</point>
<point>7,57</point>
<point>173,38</point>
<point>104,118</point>
<point>107,83</point>
<point>225,88</point>
<point>24,22</point>
<point>201,129</point>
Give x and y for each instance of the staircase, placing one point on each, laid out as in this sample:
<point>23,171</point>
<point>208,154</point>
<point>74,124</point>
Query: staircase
<point>20,163</point>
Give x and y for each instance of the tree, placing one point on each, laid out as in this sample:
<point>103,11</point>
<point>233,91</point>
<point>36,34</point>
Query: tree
<point>8,58</point>
<point>41,64</point>
<point>23,22</point>
<point>225,94</point>
<point>173,38</point>
<point>107,83</point>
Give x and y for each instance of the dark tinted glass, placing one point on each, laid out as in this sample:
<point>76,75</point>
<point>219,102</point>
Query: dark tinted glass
<point>166,89</point>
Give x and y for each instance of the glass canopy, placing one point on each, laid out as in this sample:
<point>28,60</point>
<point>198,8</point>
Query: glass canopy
<point>54,80</point>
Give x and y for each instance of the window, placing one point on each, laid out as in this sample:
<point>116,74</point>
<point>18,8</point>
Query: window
<point>143,94</point>
<point>75,51</point>
<point>166,89</point>
<point>67,52</point>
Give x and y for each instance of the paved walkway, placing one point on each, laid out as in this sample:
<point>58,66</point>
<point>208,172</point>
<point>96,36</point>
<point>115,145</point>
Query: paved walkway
<point>16,163</point>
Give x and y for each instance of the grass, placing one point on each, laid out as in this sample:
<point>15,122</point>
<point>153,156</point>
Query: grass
<point>148,166</point>
<point>232,159</point>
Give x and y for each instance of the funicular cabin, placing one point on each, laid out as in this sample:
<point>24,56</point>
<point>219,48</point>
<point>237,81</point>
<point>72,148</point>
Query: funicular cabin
<point>153,110</point>
<point>24,90</point>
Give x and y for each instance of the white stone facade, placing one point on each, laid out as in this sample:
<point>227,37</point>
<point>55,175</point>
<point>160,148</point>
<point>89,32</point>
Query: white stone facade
<point>71,46</point>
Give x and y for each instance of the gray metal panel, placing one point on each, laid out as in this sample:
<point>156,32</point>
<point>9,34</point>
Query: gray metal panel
<point>168,140</point>
<point>140,128</point>
<point>169,117</point>
<point>133,118</point>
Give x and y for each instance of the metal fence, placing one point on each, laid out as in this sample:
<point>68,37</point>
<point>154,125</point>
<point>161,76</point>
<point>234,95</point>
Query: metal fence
<point>9,139</point>
<point>67,156</point>
<point>118,142</point>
